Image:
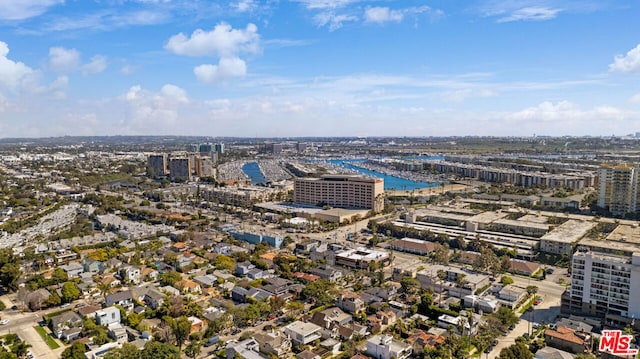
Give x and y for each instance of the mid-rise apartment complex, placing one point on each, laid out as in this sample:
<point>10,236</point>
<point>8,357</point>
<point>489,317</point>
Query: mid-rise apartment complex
<point>157,165</point>
<point>605,286</point>
<point>344,191</point>
<point>618,188</point>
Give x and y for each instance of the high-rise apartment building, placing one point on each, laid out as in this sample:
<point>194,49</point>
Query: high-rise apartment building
<point>605,286</point>
<point>157,165</point>
<point>219,148</point>
<point>618,188</point>
<point>344,191</point>
<point>180,168</point>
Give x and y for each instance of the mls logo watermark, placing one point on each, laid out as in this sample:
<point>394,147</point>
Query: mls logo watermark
<point>616,343</point>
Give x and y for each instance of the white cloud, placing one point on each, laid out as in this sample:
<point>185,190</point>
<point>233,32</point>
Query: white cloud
<point>127,70</point>
<point>384,14</point>
<point>245,5</point>
<point>635,98</point>
<point>24,9</point>
<point>326,4</point>
<point>149,112</point>
<point>97,64</point>
<point>461,95</point>
<point>226,68</point>
<point>332,20</point>
<point>629,63</point>
<point>567,113</point>
<point>12,73</point>
<point>531,14</point>
<point>64,60</point>
<point>223,41</point>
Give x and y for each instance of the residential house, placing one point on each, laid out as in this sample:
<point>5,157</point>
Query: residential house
<point>302,333</point>
<point>330,320</point>
<point>246,349</point>
<point>187,286</point>
<point>326,272</point>
<point>512,293</point>
<point>381,320</point>
<point>350,302</point>
<point>415,246</point>
<point>255,274</point>
<point>420,340</point>
<point>108,316</point>
<point>184,260</point>
<point>123,298</point>
<point>118,333</point>
<point>63,321</point>
<point>89,311</point>
<point>522,267</point>
<point>274,343</point>
<point>131,274</point>
<point>238,294</point>
<point>243,268</point>
<point>149,274</point>
<point>222,248</point>
<point>279,287</point>
<point>72,269</point>
<point>456,281</point>
<point>196,324</point>
<point>206,281</point>
<point>179,247</point>
<point>568,339</point>
<point>110,280</point>
<point>307,354</point>
<point>486,305</point>
<point>99,352</point>
<point>92,265</point>
<point>258,294</point>
<point>385,347</point>
<point>459,323</point>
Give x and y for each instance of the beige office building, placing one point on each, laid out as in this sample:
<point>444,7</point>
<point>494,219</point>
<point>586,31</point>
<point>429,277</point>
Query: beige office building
<point>344,191</point>
<point>618,188</point>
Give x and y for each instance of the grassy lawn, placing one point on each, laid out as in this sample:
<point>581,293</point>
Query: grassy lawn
<point>46,337</point>
<point>528,305</point>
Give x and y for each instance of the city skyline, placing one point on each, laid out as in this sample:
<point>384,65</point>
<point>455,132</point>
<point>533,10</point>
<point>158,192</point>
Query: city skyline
<point>318,68</point>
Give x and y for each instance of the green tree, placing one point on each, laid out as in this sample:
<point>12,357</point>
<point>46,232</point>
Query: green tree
<point>75,351</point>
<point>180,328</point>
<point>20,349</point>
<point>9,274</point>
<point>193,349</point>
<point>53,300</point>
<point>127,351</point>
<point>69,292</point>
<point>321,291</point>
<point>157,350</point>
<point>506,316</point>
<point>170,277</point>
<point>506,280</point>
<point>409,284</point>
<point>516,351</point>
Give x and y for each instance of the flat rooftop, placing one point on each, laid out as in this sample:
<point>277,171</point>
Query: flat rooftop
<point>534,218</point>
<point>569,232</point>
<point>487,217</point>
<point>362,253</point>
<point>521,223</point>
<point>439,214</point>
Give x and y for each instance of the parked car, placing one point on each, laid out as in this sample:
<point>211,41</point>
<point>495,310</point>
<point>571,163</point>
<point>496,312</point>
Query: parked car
<point>4,322</point>
<point>211,341</point>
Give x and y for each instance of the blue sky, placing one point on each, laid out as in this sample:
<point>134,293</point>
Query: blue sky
<point>319,67</point>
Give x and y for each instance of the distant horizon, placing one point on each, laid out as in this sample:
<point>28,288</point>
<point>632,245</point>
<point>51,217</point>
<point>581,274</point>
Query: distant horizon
<point>390,137</point>
<point>323,68</point>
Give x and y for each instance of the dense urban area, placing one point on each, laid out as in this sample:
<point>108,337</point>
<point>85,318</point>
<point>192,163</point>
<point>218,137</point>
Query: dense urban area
<point>195,247</point>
